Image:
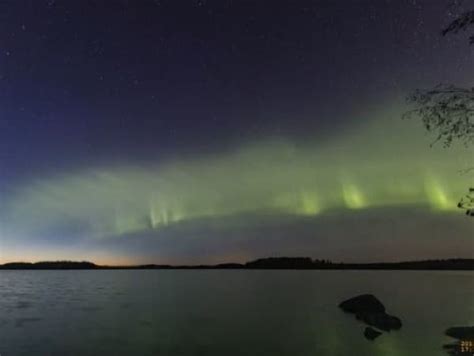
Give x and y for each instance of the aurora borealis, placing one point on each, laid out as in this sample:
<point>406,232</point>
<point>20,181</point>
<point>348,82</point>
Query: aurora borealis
<point>239,140</point>
<point>274,177</point>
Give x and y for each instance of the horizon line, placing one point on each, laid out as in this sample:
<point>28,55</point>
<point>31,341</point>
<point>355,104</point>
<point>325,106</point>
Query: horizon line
<point>283,262</point>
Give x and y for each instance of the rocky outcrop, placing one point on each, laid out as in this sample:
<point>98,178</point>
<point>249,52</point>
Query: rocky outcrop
<point>381,321</point>
<point>371,334</point>
<point>465,344</point>
<point>365,303</point>
<point>368,309</point>
<point>461,332</point>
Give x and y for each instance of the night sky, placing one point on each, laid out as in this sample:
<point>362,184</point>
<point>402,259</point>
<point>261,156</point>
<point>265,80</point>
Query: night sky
<point>208,131</point>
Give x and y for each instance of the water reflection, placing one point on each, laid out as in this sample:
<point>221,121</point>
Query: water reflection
<point>230,313</point>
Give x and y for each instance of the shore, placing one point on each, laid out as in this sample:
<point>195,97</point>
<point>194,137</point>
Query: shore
<point>278,263</point>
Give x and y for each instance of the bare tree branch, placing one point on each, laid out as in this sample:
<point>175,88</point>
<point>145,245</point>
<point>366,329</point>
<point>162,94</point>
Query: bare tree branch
<point>467,202</point>
<point>445,110</point>
<point>461,23</point>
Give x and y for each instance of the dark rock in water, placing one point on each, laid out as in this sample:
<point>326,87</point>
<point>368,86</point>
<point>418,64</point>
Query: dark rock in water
<point>371,334</point>
<point>381,321</point>
<point>365,303</point>
<point>371,311</point>
<point>461,332</point>
<point>465,344</point>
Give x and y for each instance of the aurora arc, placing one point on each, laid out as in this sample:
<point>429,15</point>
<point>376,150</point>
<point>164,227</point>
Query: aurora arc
<point>352,172</point>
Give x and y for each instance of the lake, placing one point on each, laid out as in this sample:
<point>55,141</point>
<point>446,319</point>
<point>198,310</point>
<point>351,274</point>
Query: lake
<point>225,312</point>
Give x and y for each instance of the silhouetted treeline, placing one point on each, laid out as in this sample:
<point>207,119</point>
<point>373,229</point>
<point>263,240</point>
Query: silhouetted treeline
<point>50,265</point>
<point>284,263</point>
<point>308,263</point>
<point>449,264</point>
<point>266,263</point>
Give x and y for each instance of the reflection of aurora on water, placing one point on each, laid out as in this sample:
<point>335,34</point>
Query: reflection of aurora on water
<point>363,170</point>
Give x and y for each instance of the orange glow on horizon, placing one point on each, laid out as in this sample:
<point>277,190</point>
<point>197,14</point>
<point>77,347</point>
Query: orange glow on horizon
<point>38,256</point>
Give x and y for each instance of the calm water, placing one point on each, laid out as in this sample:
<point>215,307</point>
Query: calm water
<point>224,312</point>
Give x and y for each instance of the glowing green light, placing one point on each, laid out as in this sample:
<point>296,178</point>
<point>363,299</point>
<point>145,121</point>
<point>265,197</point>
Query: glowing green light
<point>154,219</point>
<point>353,197</point>
<point>304,203</point>
<point>308,179</point>
<point>437,196</point>
<point>309,204</point>
<point>125,224</point>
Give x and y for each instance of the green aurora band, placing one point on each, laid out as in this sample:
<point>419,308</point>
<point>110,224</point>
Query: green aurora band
<point>383,163</point>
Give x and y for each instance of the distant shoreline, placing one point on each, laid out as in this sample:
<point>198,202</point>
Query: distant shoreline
<point>272,263</point>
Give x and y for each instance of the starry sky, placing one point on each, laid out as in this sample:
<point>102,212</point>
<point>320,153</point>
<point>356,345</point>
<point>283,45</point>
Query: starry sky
<point>155,131</point>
